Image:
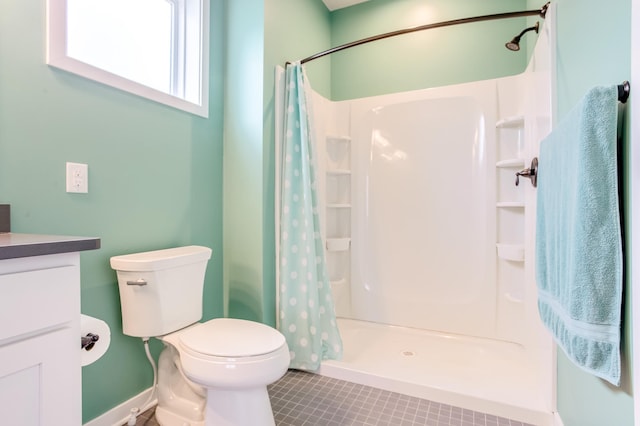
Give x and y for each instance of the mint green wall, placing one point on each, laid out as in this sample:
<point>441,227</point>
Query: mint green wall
<point>155,180</point>
<point>243,152</point>
<point>594,49</point>
<point>293,31</point>
<point>423,59</point>
<point>261,35</point>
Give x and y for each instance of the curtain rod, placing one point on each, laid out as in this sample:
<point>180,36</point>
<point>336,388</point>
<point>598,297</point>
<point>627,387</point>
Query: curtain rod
<point>540,12</point>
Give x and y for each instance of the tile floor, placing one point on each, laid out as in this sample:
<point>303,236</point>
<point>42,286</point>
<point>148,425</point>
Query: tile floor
<point>305,399</point>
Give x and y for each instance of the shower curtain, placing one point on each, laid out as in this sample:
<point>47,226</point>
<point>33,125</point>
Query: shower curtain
<point>307,315</point>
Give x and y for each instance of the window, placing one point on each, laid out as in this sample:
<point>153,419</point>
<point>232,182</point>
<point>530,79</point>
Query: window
<point>157,49</point>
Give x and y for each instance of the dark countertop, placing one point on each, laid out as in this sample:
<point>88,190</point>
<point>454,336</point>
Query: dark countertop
<point>14,245</point>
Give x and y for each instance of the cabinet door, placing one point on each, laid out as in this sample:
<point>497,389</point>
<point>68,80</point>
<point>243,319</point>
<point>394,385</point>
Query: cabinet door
<point>38,385</point>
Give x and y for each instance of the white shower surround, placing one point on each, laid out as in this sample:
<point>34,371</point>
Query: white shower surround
<point>422,191</point>
<point>426,305</point>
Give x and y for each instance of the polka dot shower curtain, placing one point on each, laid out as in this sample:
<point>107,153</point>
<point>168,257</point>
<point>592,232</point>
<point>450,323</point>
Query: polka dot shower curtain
<point>307,315</point>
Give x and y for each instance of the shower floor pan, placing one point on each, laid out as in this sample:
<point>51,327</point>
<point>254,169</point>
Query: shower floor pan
<point>483,375</point>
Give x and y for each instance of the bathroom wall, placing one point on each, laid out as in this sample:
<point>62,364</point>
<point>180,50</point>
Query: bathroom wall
<point>431,58</point>
<point>261,35</point>
<point>243,150</point>
<point>594,49</point>
<point>155,179</point>
<point>295,30</point>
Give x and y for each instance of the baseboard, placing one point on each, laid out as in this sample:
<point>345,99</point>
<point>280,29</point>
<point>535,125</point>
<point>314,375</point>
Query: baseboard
<point>119,415</point>
<point>557,421</point>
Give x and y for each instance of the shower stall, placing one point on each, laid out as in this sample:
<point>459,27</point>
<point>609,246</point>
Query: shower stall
<point>429,242</point>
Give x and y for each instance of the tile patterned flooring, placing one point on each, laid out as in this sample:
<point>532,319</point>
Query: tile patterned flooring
<point>305,399</point>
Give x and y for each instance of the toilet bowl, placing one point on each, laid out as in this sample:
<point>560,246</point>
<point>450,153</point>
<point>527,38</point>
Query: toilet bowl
<point>210,373</point>
<point>233,361</point>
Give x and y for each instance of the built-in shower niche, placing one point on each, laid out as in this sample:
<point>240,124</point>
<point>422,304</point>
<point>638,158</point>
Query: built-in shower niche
<point>510,216</point>
<point>339,153</point>
<point>510,155</point>
<point>510,197</point>
<point>338,218</point>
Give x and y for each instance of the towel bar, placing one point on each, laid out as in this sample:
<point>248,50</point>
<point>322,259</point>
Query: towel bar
<point>623,91</point>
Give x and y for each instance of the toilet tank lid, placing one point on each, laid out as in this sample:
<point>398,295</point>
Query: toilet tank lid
<point>160,259</point>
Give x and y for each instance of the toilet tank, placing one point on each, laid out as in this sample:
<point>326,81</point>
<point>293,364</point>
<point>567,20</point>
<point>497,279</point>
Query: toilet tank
<point>161,291</point>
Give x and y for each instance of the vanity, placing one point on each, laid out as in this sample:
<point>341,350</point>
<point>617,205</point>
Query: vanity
<point>40,372</point>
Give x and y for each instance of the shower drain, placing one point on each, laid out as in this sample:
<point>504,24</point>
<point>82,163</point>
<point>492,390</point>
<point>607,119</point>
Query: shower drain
<point>407,353</point>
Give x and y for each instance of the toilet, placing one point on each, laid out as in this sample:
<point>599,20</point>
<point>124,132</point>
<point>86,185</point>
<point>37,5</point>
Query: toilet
<point>210,373</point>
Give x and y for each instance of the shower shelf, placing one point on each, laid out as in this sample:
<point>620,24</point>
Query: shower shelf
<point>513,252</point>
<point>339,172</point>
<point>511,162</point>
<point>510,204</point>
<point>338,244</point>
<point>511,122</point>
<point>338,211</point>
<point>513,299</point>
<point>338,138</point>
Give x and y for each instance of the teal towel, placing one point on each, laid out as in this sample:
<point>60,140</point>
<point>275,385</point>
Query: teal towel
<point>578,235</point>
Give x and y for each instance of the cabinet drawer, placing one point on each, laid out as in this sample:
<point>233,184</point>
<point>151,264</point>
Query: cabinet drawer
<point>35,300</point>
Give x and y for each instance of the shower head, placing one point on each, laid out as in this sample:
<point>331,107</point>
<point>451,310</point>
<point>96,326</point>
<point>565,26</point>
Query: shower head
<point>515,43</point>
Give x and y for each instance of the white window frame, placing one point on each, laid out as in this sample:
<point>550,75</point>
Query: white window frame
<point>192,84</point>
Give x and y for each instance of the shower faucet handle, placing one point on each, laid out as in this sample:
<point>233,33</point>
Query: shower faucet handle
<point>525,173</point>
<point>531,173</point>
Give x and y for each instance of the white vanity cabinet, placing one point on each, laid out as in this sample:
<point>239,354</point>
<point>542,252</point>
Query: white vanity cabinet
<point>40,372</point>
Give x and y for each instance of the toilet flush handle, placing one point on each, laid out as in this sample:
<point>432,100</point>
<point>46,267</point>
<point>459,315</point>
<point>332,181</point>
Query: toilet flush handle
<point>138,282</point>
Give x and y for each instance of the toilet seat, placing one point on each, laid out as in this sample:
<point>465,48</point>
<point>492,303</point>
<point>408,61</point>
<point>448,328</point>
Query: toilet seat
<point>230,338</point>
<point>229,353</point>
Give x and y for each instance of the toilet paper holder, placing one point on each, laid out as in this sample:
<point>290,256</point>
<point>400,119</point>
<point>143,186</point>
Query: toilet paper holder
<point>87,342</point>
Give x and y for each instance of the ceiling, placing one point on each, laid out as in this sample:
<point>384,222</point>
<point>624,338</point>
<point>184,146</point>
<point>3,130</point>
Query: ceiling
<point>339,4</point>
